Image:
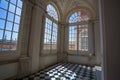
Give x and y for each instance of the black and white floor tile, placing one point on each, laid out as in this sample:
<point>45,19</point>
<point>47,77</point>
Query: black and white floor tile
<point>64,71</point>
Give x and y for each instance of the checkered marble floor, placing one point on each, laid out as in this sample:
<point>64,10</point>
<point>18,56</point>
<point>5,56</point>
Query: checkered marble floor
<point>64,71</point>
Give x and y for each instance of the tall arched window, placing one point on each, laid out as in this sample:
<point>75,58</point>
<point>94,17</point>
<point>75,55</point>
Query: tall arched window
<point>51,29</point>
<point>52,12</point>
<point>78,31</point>
<point>10,14</point>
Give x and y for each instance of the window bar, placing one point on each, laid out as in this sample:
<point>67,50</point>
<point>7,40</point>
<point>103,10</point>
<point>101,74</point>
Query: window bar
<point>77,38</point>
<point>5,23</point>
<point>13,22</point>
<point>51,38</point>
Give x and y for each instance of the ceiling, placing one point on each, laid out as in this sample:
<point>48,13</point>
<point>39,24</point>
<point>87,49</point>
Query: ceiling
<point>65,6</point>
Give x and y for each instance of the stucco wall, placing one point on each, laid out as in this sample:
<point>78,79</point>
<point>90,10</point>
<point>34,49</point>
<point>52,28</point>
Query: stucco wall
<point>47,61</point>
<point>82,59</point>
<point>8,70</point>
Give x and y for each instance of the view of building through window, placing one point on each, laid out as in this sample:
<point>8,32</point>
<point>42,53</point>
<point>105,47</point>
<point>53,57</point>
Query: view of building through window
<point>78,34</point>
<point>10,13</point>
<point>51,29</point>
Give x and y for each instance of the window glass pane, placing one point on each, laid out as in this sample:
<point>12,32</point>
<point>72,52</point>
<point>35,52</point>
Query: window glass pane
<point>1,35</point>
<point>5,47</point>
<point>14,36</point>
<point>73,38</point>
<point>82,31</point>
<point>13,1</point>
<point>52,12</point>
<point>19,3</point>
<point>18,11</point>
<point>17,19</point>
<point>11,8</point>
<point>2,24</point>
<point>3,13</point>
<point>54,36</point>
<point>3,4</point>
<point>10,16</point>
<point>9,25</point>
<point>14,41</point>
<point>7,36</point>
<point>47,37</point>
<point>78,16</point>
<point>7,41</point>
<point>16,27</point>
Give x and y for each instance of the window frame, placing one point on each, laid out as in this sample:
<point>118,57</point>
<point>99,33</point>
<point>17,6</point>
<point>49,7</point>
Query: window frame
<point>11,54</point>
<point>86,22</point>
<point>54,21</point>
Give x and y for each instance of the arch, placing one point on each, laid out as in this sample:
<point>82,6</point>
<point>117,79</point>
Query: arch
<point>55,9</point>
<point>91,13</point>
<point>52,12</point>
<point>79,16</point>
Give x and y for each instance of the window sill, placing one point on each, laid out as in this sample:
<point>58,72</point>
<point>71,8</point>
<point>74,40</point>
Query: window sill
<point>8,61</point>
<point>8,55</point>
<point>80,54</point>
<point>42,55</point>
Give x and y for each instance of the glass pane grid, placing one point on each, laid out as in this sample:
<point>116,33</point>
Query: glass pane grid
<point>72,38</point>
<point>52,12</point>
<point>9,24</point>
<point>78,17</point>
<point>83,38</point>
<point>50,38</point>
<point>78,38</point>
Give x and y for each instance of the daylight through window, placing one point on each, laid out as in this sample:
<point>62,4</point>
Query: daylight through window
<point>78,34</point>
<point>10,14</point>
<point>51,29</point>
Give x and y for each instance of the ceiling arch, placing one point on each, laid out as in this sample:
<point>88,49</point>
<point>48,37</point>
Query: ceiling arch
<point>66,6</point>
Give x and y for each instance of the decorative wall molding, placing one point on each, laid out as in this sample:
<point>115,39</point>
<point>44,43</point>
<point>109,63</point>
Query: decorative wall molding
<point>8,61</point>
<point>24,67</point>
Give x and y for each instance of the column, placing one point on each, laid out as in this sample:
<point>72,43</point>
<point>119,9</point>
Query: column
<point>24,33</point>
<point>91,38</point>
<point>36,36</point>
<point>97,41</point>
<point>23,48</point>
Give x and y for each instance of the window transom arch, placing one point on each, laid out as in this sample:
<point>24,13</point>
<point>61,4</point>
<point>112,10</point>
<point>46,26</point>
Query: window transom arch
<point>52,11</point>
<point>78,16</point>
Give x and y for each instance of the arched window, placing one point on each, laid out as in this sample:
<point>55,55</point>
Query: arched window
<point>78,16</point>
<point>52,12</point>
<point>10,14</point>
<point>51,29</point>
<point>78,31</point>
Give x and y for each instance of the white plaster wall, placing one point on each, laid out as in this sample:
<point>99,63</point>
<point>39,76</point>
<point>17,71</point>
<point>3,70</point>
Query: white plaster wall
<point>47,61</point>
<point>8,70</point>
<point>81,59</point>
<point>35,39</point>
<point>97,42</point>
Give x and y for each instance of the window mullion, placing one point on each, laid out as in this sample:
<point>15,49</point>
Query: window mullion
<point>77,39</point>
<point>13,22</point>
<point>5,22</point>
<point>51,37</point>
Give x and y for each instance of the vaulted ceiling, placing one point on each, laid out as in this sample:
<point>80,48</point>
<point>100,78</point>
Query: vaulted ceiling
<point>65,6</point>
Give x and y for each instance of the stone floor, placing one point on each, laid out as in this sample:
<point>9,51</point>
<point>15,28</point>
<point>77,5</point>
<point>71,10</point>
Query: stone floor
<point>64,71</point>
